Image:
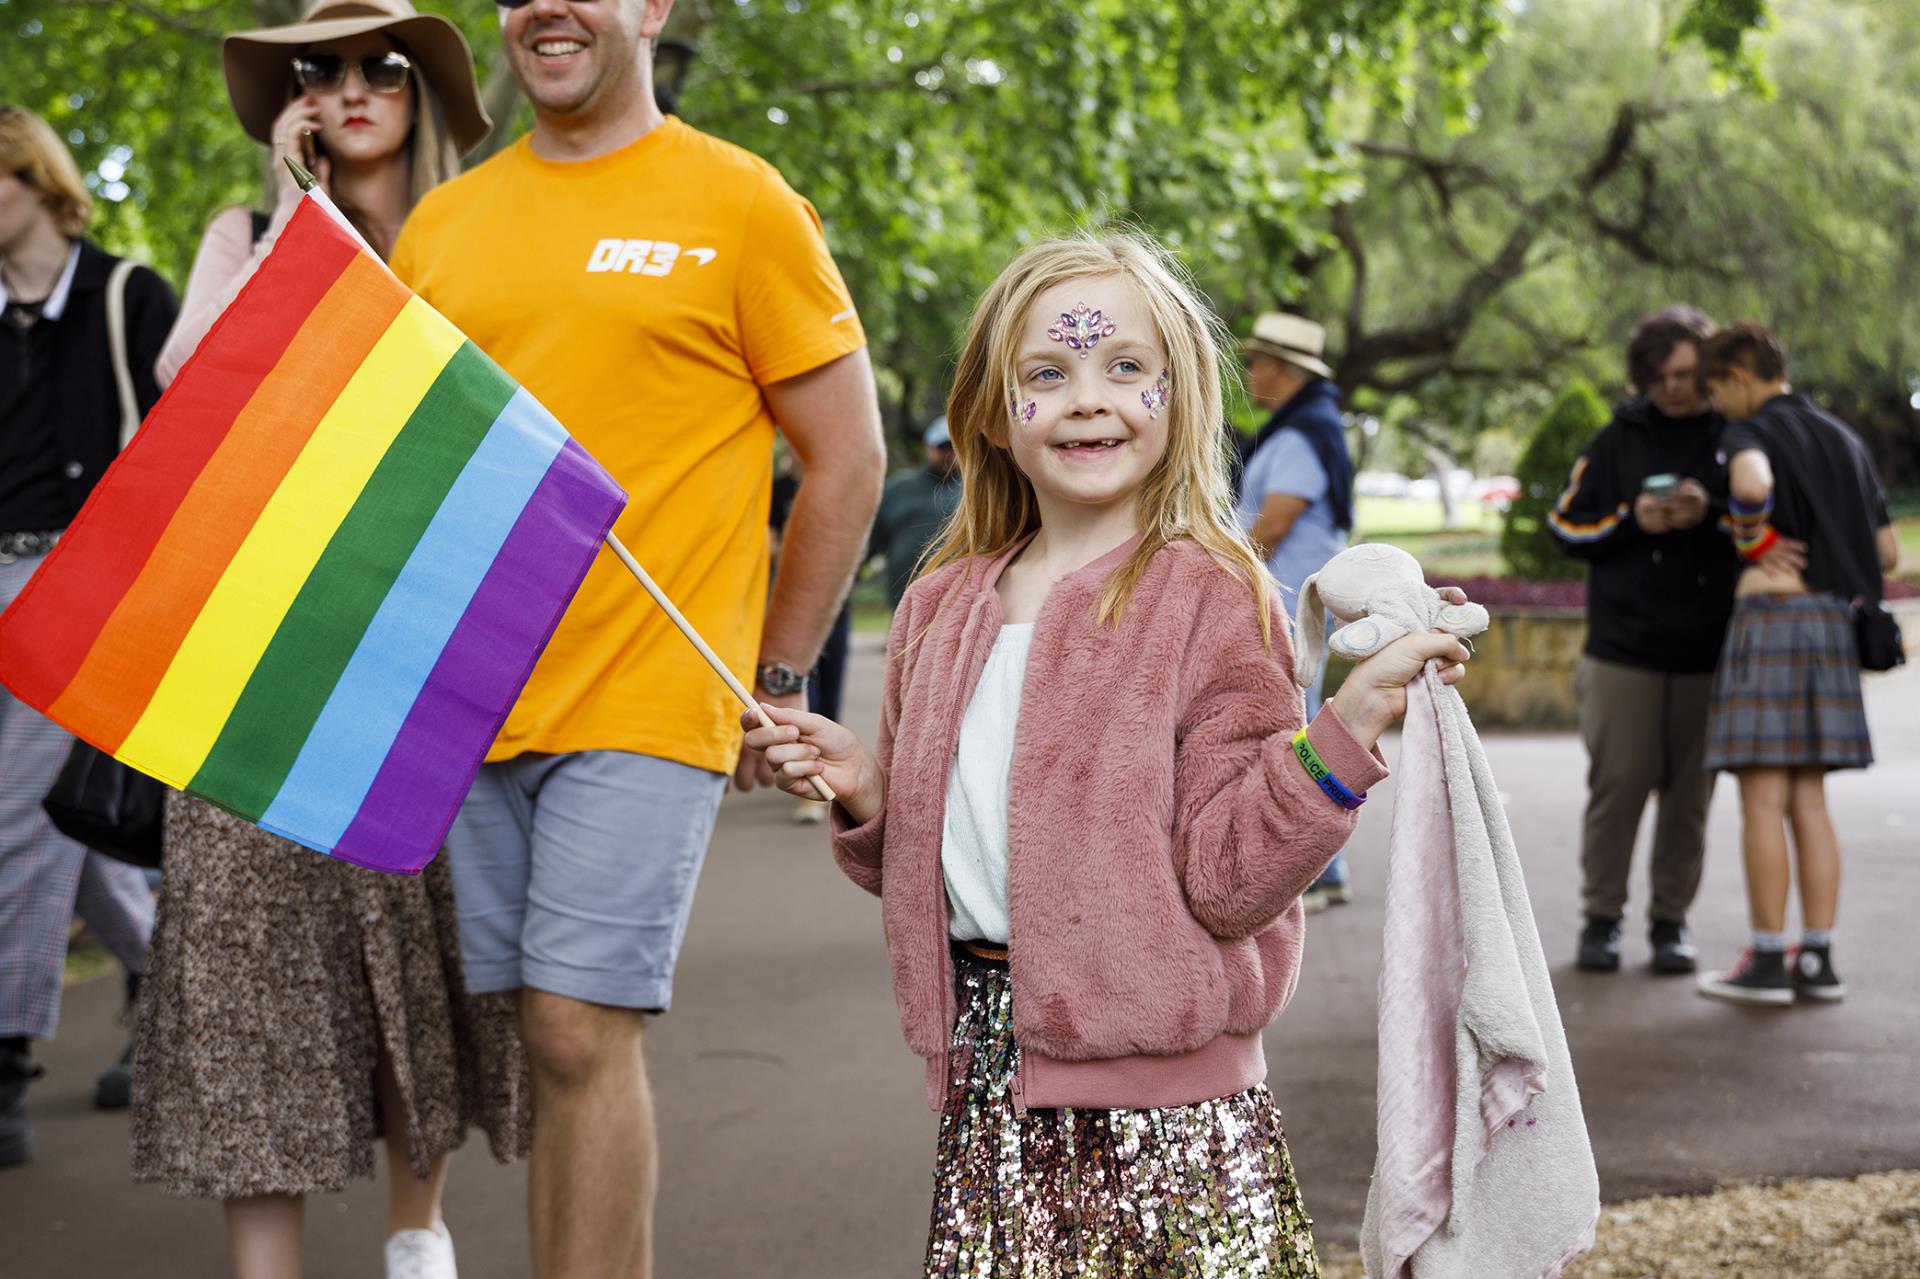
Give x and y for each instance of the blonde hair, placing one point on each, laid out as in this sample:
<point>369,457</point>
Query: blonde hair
<point>432,154</point>
<point>33,152</point>
<point>1187,494</point>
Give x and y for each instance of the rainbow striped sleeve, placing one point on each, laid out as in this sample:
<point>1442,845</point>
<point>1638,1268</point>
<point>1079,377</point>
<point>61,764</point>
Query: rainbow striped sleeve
<point>312,587</point>
<point>1574,531</point>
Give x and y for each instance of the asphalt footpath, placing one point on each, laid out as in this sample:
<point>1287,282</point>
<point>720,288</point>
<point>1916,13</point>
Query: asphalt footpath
<point>794,1132</point>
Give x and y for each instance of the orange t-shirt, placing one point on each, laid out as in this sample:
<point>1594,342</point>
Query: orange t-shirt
<point>644,297</point>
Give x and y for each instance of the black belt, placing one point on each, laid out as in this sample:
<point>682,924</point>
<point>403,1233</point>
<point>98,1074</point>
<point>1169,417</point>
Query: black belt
<point>19,545</point>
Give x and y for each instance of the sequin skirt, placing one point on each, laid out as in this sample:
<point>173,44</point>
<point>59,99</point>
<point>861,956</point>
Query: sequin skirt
<point>1185,1192</point>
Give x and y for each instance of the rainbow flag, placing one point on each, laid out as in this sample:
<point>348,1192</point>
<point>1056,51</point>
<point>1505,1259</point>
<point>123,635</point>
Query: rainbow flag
<point>313,585</point>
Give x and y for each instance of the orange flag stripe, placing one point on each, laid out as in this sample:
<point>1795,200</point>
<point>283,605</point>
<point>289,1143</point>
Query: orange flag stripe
<point>131,655</point>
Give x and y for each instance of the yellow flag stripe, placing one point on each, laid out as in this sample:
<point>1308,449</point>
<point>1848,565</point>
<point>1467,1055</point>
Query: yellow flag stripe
<point>221,649</point>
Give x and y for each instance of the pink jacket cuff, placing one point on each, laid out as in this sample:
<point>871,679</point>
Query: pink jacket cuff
<point>857,848</point>
<point>1356,768</point>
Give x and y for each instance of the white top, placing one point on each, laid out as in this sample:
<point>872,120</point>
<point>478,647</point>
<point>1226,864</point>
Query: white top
<point>973,843</point>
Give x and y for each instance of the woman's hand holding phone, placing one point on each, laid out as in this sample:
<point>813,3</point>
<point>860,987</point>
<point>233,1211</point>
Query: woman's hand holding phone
<point>295,133</point>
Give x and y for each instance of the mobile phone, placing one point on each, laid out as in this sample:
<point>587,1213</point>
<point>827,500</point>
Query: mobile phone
<point>1661,485</point>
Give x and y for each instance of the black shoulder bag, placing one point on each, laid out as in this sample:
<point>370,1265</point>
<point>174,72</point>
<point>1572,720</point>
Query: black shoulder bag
<point>112,809</point>
<point>1877,634</point>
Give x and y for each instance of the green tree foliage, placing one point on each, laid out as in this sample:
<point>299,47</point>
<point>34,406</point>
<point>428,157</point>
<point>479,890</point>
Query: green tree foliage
<point>135,87</point>
<point>1527,544</point>
<point>1371,159</point>
<point>1613,169</point>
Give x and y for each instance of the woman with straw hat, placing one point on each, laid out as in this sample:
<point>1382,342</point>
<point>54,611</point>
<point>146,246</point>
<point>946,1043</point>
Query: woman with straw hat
<point>297,1007</point>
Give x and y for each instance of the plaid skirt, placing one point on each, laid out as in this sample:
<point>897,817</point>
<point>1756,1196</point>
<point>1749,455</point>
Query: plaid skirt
<point>1787,692</point>
<point>1204,1191</point>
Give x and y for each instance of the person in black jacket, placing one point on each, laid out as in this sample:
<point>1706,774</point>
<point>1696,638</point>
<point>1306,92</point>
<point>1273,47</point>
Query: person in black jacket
<point>61,423</point>
<point>1659,591</point>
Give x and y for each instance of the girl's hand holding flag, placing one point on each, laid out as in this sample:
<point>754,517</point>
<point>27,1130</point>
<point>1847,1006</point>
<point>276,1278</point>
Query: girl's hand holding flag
<point>801,746</point>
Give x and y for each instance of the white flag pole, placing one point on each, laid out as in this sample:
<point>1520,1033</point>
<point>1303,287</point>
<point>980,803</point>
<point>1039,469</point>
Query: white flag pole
<point>820,786</point>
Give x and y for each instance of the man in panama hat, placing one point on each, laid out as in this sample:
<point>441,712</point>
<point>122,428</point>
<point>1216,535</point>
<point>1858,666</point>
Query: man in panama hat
<point>1296,496</point>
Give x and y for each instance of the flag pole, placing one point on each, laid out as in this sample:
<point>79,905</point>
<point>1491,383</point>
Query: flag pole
<point>820,786</point>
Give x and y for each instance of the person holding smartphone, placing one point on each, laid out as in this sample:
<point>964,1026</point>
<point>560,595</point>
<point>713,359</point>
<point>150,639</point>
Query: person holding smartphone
<point>1659,591</point>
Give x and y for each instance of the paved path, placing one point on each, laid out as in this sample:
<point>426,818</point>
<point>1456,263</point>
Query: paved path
<point>795,1137</point>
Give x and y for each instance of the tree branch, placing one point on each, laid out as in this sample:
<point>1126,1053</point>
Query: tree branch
<point>1349,239</point>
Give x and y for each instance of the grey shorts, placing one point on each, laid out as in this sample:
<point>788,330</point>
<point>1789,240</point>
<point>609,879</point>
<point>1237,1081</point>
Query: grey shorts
<point>574,874</point>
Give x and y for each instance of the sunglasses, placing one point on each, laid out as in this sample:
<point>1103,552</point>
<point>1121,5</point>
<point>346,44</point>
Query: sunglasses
<point>521,4</point>
<point>324,72</point>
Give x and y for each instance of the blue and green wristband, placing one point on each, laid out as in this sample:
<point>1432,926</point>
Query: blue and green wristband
<point>1322,775</point>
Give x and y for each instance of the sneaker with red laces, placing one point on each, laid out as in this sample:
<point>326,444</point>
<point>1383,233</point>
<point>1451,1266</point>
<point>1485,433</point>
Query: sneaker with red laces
<point>1757,977</point>
<point>1811,970</point>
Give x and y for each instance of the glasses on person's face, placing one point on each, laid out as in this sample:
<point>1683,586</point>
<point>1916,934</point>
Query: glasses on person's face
<point>521,4</point>
<point>325,72</point>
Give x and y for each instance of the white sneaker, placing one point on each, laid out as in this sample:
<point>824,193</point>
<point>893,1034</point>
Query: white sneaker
<point>420,1254</point>
<point>809,812</point>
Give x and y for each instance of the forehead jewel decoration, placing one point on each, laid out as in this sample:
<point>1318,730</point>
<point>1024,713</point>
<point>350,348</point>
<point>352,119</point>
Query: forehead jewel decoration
<point>1081,329</point>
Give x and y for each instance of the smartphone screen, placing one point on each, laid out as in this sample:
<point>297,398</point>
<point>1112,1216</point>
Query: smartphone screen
<point>1660,485</point>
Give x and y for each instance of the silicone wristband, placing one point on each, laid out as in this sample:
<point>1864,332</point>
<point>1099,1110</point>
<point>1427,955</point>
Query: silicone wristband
<point>1322,775</point>
<point>1762,540</point>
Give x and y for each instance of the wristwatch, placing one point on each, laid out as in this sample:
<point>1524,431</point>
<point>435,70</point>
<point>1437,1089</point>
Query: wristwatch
<point>780,679</point>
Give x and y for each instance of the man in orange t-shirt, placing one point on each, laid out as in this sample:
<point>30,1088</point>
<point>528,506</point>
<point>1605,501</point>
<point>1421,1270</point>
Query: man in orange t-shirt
<point>672,301</point>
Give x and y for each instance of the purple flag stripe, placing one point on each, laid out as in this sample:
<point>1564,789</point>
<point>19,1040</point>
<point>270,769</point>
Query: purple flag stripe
<point>420,785</point>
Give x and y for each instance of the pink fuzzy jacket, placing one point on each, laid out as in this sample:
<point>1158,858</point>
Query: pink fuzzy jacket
<point>1160,829</point>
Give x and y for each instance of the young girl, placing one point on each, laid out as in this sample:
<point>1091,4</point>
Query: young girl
<point>1092,810</point>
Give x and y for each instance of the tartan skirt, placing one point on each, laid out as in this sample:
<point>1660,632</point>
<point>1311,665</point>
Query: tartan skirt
<point>1787,691</point>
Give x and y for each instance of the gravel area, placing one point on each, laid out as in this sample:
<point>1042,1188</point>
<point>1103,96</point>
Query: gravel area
<point>1841,1228</point>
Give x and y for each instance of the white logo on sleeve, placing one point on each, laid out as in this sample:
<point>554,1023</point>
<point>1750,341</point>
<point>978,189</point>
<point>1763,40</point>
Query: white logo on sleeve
<point>643,257</point>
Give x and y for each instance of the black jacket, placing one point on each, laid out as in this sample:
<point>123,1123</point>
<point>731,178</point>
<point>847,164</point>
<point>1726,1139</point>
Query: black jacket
<point>59,408</point>
<point>1655,601</point>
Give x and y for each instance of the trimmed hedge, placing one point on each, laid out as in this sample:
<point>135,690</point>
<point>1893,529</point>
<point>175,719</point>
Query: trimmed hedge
<point>1527,544</point>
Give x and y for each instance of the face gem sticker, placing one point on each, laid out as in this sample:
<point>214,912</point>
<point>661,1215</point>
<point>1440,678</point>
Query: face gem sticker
<point>1081,329</point>
<point>1021,412</point>
<point>1155,396</point>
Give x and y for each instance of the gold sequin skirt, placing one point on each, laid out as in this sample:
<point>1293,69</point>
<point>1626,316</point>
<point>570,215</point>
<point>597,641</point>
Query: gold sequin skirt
<point>1186,1192</point>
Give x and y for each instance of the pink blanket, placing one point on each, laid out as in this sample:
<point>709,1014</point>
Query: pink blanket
<point>1484,1168</point>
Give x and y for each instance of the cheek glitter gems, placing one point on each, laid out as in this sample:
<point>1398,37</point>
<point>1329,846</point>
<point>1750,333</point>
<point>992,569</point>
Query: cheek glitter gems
<point>1081,329</point>
<point>1022,412</point>
<point>1155,396</point>
<point>1199,1192</point>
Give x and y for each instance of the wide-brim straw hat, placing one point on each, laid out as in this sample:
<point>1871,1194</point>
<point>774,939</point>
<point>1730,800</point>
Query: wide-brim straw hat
<point>259,64</point>
<point>1293,338</point>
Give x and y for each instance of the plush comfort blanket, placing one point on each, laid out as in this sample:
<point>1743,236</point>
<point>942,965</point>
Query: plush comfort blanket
<point>1484,1169</point>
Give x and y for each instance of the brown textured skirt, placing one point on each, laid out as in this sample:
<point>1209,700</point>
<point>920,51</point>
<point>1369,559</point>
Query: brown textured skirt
<point>277,980</point>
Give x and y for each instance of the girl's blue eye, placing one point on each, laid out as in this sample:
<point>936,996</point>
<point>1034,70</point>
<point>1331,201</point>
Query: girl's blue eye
<point>1046,374</point>
<point>1128,366</point>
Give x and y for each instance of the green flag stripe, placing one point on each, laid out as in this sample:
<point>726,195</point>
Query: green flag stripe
<point>314,642</point>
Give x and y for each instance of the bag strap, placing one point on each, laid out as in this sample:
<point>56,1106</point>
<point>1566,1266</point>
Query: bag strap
<point>117,340</point>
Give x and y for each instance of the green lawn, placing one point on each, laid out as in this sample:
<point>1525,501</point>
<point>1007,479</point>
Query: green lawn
<point>1385,519</point>
<point>1907,532</point>
<point>1414,525</point>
